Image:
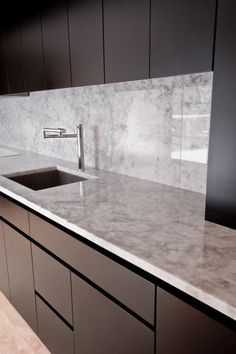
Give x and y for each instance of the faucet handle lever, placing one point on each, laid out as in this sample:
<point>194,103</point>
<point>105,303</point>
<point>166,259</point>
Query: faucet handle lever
<point>49,132</point>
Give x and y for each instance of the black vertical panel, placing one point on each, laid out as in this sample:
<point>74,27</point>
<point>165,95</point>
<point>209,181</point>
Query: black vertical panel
<point>86,42</point>
<point>3,72</point>
<point>126,33</point>
<point>56,44</point>
<point>32,46</point>
<point>221,186</point>
<point>13,48</point>
<point>182,36</point>
<point>182,329</point>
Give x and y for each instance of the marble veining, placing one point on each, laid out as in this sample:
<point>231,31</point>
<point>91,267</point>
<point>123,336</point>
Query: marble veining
<point>158,228</point>
<point>152,129</point>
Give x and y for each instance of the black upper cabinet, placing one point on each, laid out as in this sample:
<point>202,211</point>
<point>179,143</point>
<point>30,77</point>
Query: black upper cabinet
<point>56,44</point>
<point>221,191</point>
<point>32,46</point>
<point>3,72</point>
<point>86,42</point>
<point>126,35</point>
<point>182,36</point>
<point>13,49</point>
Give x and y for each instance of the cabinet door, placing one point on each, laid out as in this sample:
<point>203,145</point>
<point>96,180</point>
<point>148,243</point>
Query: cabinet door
<point>20,270</point>
<point>182,36</point>
<point>4,283</point>
<point>183,329</point>
<point>53,332</point>
<point>32,45</point>
<point>86,42</point>
<point>13,49</point>
<point>56,44</point>
<point>126,34</point>
<point>3,71</point>
<point>102,327</point>
<point>221,191</point>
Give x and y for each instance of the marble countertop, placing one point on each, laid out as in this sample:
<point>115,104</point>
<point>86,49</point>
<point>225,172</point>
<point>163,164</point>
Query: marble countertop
<point>158,228</point>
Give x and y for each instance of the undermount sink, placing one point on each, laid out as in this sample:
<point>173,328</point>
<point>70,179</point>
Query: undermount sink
<point>47,178</point>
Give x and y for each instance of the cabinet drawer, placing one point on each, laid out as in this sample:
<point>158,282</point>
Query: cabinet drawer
<point>20,271</point>
<point>129,288</point>
<point>102,327</point>
<point>16,215</point>
<point>53,332</point>
<point>52,282</point>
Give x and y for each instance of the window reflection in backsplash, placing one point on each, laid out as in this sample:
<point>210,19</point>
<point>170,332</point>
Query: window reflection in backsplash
<point>153,129</point>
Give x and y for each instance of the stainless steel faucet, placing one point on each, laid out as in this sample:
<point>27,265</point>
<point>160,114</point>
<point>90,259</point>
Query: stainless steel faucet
<point>60,133</point>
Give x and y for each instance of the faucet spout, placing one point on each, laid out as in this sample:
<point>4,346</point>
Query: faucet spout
<point>60,133</point>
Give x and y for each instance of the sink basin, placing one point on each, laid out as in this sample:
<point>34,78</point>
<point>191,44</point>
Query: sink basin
<point>49,178</point>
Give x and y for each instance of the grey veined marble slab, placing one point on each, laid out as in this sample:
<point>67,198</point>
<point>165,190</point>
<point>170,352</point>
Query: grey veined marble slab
<point>6,152</point>
<point>158,228</point>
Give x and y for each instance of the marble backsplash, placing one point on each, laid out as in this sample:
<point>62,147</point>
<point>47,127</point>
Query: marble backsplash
<point>154,129</point>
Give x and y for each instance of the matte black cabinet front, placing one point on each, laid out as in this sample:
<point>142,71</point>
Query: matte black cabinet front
<point>181,329</point>
<point>32,46</point>
<point>20,270</point>
<point>102,327</point>
<point>4,283</point>
<point>54,333</point>
<point>182,36</point>
<point>3,71</point>
<point>221,191</point>
<point>86,42</point>
<point>126,35</point>
<point>56,44</point>
<point>13,49</point>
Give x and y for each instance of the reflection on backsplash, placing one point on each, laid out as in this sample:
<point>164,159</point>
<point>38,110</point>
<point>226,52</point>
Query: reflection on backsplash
<point>154,129</point>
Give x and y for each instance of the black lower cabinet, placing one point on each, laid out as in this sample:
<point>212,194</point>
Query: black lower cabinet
<point>182,329</point>
<point>102,327</point>
<point>20,270</point>
<point>53,331</point>
<point>4,283</point>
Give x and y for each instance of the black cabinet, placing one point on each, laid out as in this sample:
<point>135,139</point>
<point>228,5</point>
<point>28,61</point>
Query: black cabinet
<point>4,283</point>
<point>54,333</point>
<point>102,327</point>
<point>182,36</point>
<point>18,250</point>
<point>32,46</point>
<point>56,44</point>
<point>86,42</point>
<point>11,24</point>
<point>182,329</point>
<point>126,36</point>
<point>221,191</point>
<point>3,71</point>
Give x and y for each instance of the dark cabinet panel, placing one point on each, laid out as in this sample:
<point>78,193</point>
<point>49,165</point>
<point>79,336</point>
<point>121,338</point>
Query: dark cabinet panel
<point>183,329</point>
<point>13,213</point>
<point>56,44</point>
<point>3,71</point>
<point>20,270</point>
<point>182,36</point>
<point>126,34</point>
<point>221,191</point>
<point>86,42</point>
<point>4,283</point>
<point>13,56</point>
<point>32,46</point>
<point>54,333</point>
<point>102,327</point>
<point>52,282</point>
